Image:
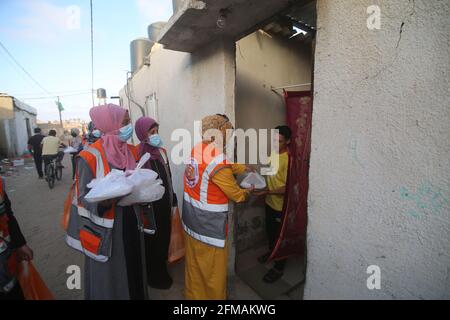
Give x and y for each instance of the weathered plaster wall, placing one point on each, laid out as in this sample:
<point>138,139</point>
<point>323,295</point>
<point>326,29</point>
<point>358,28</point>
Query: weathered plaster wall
<point>6,147</point>
<point>263,61</point>
<point>379,177</point>
<point>21,133</point>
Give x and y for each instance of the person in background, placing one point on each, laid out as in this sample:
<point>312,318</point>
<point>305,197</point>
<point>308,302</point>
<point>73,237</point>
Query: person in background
<point>209,184</point>
<point>274,200</point>
<point>76,143</point>
<point>107,233</point>
<point>12,246</point>
<point>50,149</point>
<point>157,245</point>
<point>93,134</point>
<point>34,146</point>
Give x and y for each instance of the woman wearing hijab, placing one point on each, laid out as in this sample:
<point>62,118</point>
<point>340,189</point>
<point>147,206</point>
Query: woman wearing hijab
<point>209,185</point>
<point>105,232</point>
<point>93,134</point>
<point>157,245</point>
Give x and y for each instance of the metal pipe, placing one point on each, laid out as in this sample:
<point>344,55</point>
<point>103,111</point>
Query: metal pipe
<point>292,86</point>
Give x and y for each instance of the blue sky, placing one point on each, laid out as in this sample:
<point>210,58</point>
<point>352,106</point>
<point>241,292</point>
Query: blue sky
<point>44,37</point>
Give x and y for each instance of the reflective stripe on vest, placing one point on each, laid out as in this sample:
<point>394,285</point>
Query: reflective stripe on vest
<point>7,288</point>
<point>75,227</point>
<point>4,230</point>
<point>208,240</point>
<point>76,244</point>
<point>205,206</point>
<point>202,220</point>
<point>3,243</point>
<point>206,179</point>
<point>99,173</point>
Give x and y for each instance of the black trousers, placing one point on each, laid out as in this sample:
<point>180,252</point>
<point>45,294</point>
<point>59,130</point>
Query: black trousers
<point>273,229</point>
<point>38,162</point>
<point>74,155</point>
<point>48,158</point>
<point>15,294</point>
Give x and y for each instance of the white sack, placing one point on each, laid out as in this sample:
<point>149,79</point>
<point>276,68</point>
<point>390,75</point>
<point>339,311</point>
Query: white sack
<point>255,179</point>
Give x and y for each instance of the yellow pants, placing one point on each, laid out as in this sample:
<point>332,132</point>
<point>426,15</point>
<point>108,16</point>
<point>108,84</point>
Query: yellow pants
<point>205,275</point>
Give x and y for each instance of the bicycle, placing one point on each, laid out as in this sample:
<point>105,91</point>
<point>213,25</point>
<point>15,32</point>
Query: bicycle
<point>53,171</point>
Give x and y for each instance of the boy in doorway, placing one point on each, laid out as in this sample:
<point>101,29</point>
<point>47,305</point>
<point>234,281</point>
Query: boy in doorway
<point>274,200</point>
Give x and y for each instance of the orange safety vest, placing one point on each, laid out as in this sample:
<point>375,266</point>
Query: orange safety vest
<point>205,205</point>
<point>4,230</point>
<point>7,260</point>
<point>86,231</point>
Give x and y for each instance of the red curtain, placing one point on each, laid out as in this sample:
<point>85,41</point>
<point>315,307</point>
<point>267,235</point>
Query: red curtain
<point>293,233</point>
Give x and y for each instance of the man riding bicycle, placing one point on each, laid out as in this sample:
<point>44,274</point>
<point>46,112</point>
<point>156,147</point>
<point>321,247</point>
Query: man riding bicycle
<point>50,150</point>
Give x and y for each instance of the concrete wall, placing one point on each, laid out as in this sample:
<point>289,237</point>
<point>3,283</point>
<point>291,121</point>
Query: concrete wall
<point>21,133</point>
<point>14,134</point>
<point>5,138</point>
<point>379,176</point>
<point>263,61</point>
<point>187,87</point>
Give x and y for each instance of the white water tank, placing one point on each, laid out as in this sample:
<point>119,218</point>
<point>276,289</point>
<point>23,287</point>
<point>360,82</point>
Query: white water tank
<point>139,49</point>
<point>101,93</point>
<point>154,30</point>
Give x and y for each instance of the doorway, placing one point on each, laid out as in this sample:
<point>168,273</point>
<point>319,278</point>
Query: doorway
<point>27,123</point>
<point>277,57</point>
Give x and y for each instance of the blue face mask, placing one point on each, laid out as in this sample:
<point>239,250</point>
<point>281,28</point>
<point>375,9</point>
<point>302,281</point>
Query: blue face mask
<point>125,133</point>
<point>96,133</point>
<point>155,140</point>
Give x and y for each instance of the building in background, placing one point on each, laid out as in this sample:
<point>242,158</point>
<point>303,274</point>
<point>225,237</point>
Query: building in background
<point>17,123</point>
<point>68,125</point>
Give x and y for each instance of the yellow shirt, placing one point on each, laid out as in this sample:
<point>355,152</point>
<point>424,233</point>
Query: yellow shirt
<point>277,180</point>
<point>226,181</point>
<point>50,145</point>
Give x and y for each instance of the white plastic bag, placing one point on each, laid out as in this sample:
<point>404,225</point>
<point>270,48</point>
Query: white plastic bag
<point>141,176</point>
<point>113,185</point>
<point>146,187</point>
<point>144,193</point>
<point>255,179</point>
<point>70,150</point>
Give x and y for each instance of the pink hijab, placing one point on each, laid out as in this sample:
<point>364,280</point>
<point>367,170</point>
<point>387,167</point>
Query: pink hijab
<point>141,128</point>
<point>108,119</point>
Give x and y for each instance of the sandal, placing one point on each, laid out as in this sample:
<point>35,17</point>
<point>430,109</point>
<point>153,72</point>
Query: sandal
<point>273,275</point>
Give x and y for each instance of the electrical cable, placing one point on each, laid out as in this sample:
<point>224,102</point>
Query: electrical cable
<point>22,68</point>
<point>53,97</point>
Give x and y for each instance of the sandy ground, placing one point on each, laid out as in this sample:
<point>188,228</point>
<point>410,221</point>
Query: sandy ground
<point>39,210</point>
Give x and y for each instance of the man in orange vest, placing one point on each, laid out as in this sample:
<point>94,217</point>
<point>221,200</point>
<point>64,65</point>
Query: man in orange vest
<point>209,185</point>
<point>11,241</point>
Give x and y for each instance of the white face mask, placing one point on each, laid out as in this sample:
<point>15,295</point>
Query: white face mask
<point>155,140</point>
<point>96,133</point>
<point>125,133</point>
